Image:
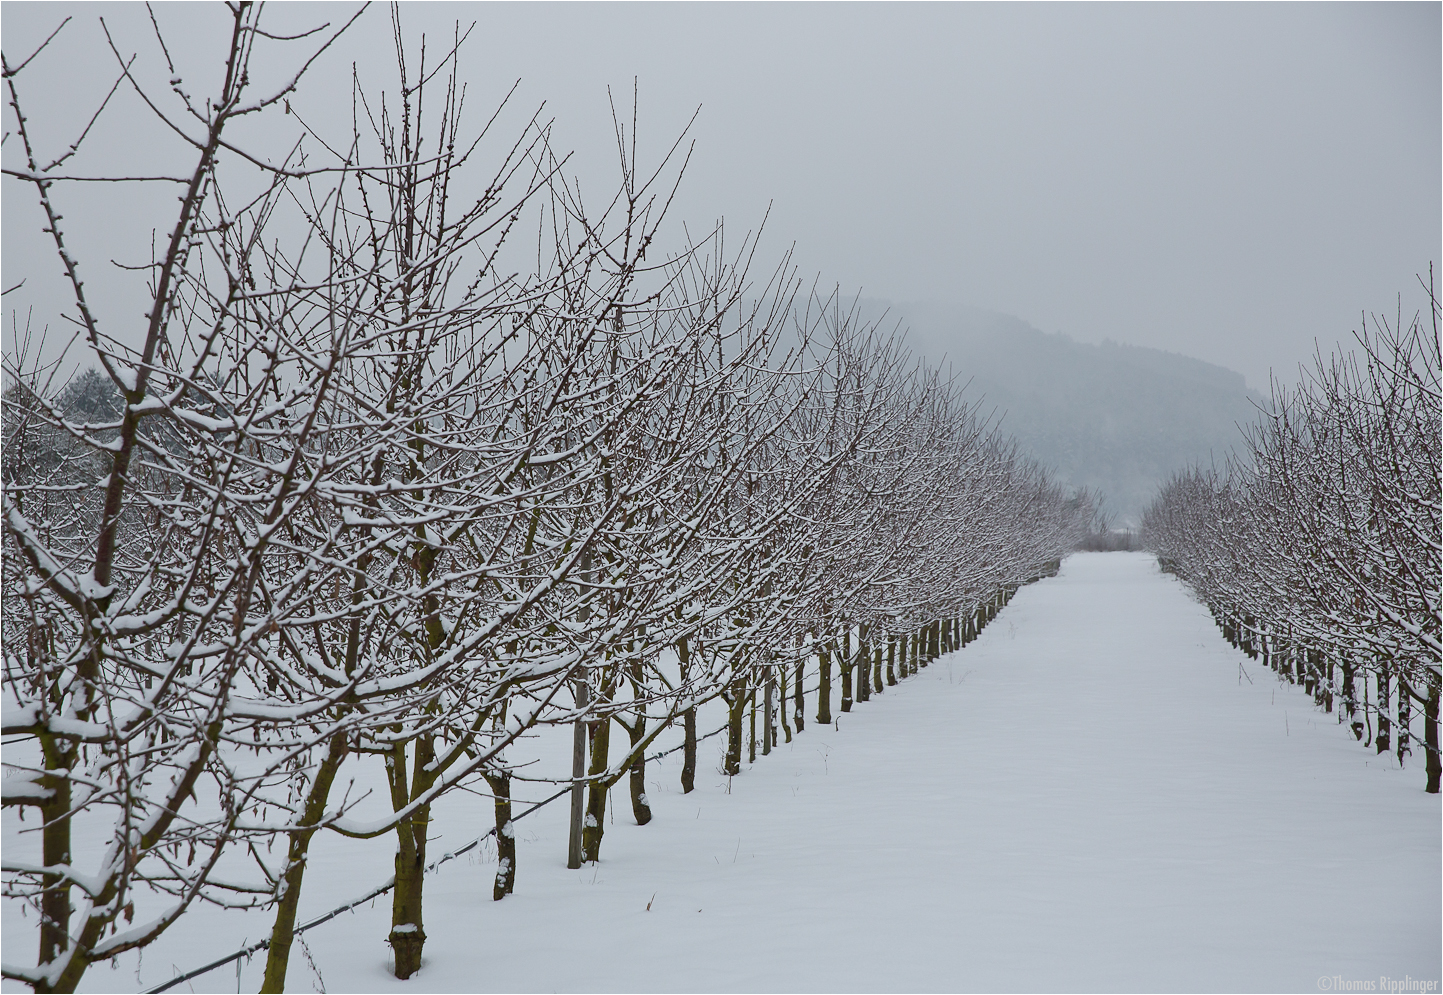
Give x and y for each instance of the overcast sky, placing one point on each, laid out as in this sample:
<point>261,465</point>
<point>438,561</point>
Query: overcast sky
<point>1225,181</point>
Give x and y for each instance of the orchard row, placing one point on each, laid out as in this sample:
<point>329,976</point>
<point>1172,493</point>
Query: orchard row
<point>1319,550</point>
<point>375,479</point>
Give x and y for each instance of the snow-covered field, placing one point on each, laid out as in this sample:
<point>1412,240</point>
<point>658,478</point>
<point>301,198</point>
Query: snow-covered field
<point>1097,795</point>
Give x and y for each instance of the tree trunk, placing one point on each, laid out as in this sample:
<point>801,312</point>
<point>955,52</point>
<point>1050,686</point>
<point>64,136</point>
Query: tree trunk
<point>593,827</point>
<point>1367,710</point>
<point>640,807</point>
<point>636,732</point>
<point>782,698</point>
<point>578,771</point>
<point>283,930</point>
<point>688,752</point>
<point>505,836</point>
<point>408,934</point>
<point>1384,739</point>
<point>1405,717</point>
<point>864,665</point>
<point>824,689</point>
<point>55,848</point>
<point>799,715</point>
<point>891,660</point>
<point>877,668</point>
<point>736,709</point>
<point>1430,733</point>
<point>845,662</point>
<point>768,728</point>
<point>1350,696</point>
<point>772,736</point>
<point>752,718</point>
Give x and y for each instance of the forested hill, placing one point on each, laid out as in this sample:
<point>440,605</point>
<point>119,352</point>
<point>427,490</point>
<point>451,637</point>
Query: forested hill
<point>1117,418</point>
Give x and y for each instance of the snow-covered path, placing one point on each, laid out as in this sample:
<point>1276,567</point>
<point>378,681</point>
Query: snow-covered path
<point>1097,795</point>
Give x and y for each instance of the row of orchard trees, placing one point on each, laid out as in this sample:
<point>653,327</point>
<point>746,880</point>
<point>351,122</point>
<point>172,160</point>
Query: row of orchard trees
<point>361,489</point>
<point>1319,551</point>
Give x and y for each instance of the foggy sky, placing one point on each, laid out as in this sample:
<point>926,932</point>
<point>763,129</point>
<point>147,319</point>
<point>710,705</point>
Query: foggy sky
<point>1225,181</point>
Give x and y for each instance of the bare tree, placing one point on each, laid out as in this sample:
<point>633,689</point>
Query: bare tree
<point>132,611</point>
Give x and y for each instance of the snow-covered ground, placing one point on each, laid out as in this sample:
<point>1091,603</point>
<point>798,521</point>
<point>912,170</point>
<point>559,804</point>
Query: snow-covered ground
<point>1097,795</point>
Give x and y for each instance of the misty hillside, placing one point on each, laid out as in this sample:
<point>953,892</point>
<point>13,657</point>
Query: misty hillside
<point>1115,418</point>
